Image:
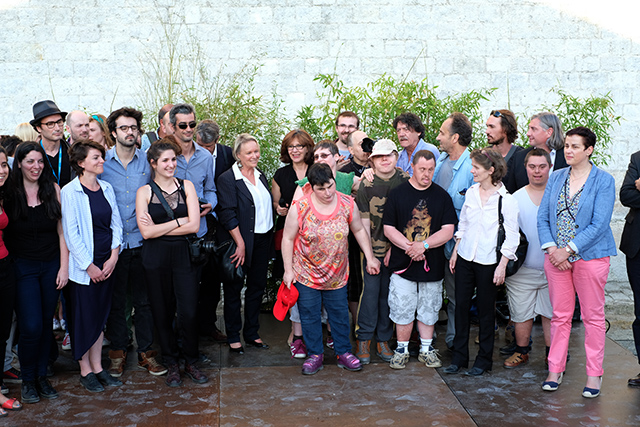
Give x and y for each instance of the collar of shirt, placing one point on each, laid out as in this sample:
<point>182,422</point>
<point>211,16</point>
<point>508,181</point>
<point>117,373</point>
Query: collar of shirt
<point>238,175</point>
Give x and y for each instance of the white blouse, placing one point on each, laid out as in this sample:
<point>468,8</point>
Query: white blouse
<point>261,200</point>
<point>478,226</point>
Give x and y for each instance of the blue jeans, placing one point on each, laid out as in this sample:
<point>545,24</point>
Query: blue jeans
<point>36,301</point>
<point>310,302</point>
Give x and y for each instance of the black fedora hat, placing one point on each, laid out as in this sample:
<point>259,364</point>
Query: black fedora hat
<point>44,109</point>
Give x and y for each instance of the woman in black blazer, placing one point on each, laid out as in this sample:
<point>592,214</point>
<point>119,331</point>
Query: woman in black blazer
<point>246,212</point>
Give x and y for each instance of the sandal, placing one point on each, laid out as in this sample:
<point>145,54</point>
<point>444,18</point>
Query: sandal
<point>10,404</point>
<point>3,413</point>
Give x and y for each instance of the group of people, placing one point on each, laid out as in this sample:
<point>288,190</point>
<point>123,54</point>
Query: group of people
<point>113,217</point>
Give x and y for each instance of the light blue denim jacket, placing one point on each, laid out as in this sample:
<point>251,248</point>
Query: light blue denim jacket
<point>77,225</point>
<point>460,182</point>
<point>594,238</point>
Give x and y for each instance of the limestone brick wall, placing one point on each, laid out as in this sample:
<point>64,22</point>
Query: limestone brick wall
<point>86,53</point>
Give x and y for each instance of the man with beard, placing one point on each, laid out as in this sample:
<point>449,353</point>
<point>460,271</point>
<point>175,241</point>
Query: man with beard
<point>347,122</point>
<point>126,169</point>
<point>77,126</point>
<point>502,131</point>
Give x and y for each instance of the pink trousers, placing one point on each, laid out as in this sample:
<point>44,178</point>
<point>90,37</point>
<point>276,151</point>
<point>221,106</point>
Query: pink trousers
<point>587,278</point>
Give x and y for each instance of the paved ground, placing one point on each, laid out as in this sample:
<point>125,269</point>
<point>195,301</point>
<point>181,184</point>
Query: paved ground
<point>265,388</point>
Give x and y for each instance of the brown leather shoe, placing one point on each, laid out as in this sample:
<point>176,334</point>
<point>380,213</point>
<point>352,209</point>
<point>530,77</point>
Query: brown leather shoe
<point>634,382</point>
<point>363,353</point>
<point>148,361</point>
<point>516,359</point>
<point>118,359</point>
<point>383,351</point>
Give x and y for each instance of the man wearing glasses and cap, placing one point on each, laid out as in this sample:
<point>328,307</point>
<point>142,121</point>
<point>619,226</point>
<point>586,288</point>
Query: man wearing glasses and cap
<point>502,131</point>
<point>48,121</point>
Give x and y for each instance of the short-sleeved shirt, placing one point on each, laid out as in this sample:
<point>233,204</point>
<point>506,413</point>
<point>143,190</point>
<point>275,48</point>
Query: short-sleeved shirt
<point>528,222</point>
<point>371,199</point>
<point>321,247</point>
<point>344,182</point>
<point>417,214</point>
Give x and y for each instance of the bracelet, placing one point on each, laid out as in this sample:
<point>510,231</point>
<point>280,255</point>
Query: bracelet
<point>177,222</point>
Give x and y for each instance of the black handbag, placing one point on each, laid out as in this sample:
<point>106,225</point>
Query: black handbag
<point>521,251</point>
<point>226,268</point>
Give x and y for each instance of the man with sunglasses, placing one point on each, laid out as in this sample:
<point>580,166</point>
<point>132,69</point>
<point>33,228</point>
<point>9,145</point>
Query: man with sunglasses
<point>419,218</point>
<point>77,126</point>
<point>195,163</point>
<point>502,131</point>
<point>162,131</point>
<point>48,121</point>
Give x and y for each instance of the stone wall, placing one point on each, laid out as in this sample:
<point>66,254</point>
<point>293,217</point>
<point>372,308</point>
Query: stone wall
<point>86,53</point>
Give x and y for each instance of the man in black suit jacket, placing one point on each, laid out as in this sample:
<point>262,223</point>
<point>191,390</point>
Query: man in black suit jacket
<point>545,132</point>
<point>207,136</point>
<point>630,242</point>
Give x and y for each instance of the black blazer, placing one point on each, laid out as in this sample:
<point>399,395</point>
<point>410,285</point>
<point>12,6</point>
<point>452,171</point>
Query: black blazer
<point>517,174</point>
<point>630,197</point>
<point>237,208</point>
<point>224,161</point>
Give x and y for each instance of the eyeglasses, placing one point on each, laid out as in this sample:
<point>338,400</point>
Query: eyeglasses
<point>51,125</point>
<point>343,126</point>
<point>295,147</point>
<point>496,113</point>
<point>183,126</point>
<point>321,156</point>
<point>125,128</point>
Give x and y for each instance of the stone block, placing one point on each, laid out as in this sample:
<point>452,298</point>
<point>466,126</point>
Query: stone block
<point>499,64</point>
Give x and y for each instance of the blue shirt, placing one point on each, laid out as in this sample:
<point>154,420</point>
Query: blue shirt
<point>405,163</point>
<point>461,181</point>
<point>199,170</point>
<point>125,183</point>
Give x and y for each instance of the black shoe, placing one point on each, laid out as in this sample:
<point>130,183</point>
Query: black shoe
<point>91,383</point>
<point>106,379</point>
<point>173,376</point>
<point>50,372</point>
<point>257,344</point>
<point>3,388</point>
<point>474,372</point>
<point>195,374</point>
<point>29,392</point>
<point>45,389</point>
<point>508,349</point>
<point>451,369</point>
<point>239,350</point>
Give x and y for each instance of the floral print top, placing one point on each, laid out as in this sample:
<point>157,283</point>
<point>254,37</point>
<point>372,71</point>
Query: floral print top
<point>566,211</point>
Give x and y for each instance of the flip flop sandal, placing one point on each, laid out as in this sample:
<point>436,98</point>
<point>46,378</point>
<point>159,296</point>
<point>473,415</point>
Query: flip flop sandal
<point>9,404</point>
<point>3,413</point>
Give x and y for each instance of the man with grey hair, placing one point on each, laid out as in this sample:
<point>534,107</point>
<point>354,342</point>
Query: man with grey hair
<point>77,126</point>
<point>195,163</point>
<point>162,131</point>
<point>208,136</point>
<point>545,132</point>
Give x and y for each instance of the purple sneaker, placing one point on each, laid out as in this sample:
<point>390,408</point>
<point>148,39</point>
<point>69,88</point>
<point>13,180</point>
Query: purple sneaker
<point>298,349</point>
<point>349,362</point>
<point>313,364</point>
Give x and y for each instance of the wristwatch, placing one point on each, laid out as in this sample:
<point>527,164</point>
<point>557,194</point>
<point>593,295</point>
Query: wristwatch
<point>568,249</point>
<point>426,245</point>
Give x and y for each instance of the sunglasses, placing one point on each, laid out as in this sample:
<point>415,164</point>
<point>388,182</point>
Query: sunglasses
<point>321,156</point>
<point>190,125</point>
<point>496,113</point>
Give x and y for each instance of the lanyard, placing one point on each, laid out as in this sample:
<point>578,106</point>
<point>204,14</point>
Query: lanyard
<point>57,176</point>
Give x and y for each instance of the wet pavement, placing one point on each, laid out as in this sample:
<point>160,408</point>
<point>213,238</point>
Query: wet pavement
<point>266,388</point>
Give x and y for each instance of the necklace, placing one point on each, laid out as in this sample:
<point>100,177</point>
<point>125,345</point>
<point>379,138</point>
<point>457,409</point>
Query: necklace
<point>574,177</point>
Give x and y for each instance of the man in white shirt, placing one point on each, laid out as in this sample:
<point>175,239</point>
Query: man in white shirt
<point>528,289</point>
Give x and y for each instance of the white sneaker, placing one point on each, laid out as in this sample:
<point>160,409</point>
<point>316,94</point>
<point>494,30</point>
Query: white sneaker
<point>56,324</point>
<point>430,358</point>
<point>66,342</point>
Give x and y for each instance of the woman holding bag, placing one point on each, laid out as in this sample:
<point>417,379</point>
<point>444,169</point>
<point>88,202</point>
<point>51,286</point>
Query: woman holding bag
<point>246,212</point>
<point>474,258</point>
<point>166,215</point>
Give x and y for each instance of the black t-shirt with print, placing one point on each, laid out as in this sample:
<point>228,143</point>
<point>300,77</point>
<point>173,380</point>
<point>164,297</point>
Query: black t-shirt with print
<point>417,214</point>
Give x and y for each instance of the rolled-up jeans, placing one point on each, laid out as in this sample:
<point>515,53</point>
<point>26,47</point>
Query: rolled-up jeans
<point>310,303</point>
